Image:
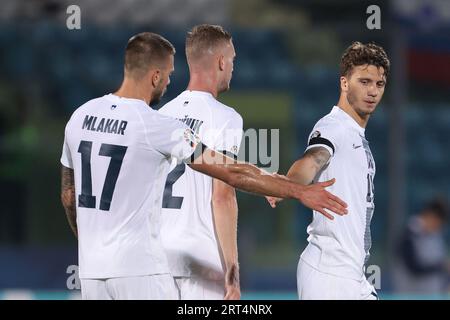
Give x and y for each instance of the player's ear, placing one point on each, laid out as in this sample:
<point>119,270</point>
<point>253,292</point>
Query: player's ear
<point>156,78</point>
<point>344,84</point>
<point>222,63</point>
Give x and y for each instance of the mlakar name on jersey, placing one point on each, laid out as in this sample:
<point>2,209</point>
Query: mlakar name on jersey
<point>104,125</point>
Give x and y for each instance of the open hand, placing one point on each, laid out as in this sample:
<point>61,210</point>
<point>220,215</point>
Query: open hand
<point>317,198</point>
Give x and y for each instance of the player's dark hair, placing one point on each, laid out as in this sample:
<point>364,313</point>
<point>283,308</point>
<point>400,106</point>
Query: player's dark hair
<point>358,54</point>
<point>145,50</point>
<point>204,37</point>
<point>438,207</point>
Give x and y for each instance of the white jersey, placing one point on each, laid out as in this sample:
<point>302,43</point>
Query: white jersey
<point>120,150</point>
<point>188,231</point>
<point>341,246</point>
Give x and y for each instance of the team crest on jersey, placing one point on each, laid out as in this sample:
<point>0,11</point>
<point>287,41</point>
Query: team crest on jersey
<point>190,138</point>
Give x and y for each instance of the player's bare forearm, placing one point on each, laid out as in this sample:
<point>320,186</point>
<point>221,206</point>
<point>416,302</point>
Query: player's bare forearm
<point>243,176</point>
<point>307,167</point>
<point>250,178</point>
<point>68,197</point>
<point>232,276</point>
<point>225,212</point>
<point>232,285</point>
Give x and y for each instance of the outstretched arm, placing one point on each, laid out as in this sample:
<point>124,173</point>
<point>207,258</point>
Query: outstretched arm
<point>68,197</point>
<point>225,211</point>
<point>250,178</point>
<point>305,169</point>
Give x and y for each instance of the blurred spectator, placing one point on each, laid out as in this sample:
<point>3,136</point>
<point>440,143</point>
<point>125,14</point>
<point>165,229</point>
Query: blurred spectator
<point>422,266</point>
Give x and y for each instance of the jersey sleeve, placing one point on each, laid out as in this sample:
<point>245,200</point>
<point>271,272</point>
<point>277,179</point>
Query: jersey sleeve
<point>229,138</point>
<point>173,138</point>
<point>66,157</point>
<point>325,134</point>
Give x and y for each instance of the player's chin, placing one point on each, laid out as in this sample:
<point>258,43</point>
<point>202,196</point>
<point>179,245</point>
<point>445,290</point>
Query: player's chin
<point>369,108</point>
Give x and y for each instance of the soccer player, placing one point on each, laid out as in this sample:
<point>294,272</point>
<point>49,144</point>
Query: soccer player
<point>199,215</point>
<point>115,160</point>
<point>332,265</point>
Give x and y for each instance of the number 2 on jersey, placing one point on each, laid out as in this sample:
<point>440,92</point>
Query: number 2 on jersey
<point>117,153</point>
<point>169,201</point>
